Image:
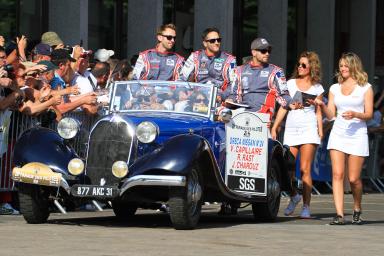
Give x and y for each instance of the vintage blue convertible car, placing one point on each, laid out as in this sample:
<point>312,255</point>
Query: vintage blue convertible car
<point>160,142</point>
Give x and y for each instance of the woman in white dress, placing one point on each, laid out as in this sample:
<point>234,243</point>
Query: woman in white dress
<point>351,102</point>
<point>303,129</point>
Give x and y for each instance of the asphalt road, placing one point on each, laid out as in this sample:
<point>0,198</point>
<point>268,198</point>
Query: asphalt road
<point>151,233</point>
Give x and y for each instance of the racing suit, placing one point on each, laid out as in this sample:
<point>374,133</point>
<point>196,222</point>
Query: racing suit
<point>155,65</point>
<point>260,87</point>
<point>217,69</point>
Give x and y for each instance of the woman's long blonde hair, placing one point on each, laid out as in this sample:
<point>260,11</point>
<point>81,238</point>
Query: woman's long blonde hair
<point>314,65</point>
<point>356,69</point>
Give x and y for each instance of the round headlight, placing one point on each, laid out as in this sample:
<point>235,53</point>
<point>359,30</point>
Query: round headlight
<point>146,132</point>
<point>68,127</point>
<point>119,169</point>
<point>76,166</point>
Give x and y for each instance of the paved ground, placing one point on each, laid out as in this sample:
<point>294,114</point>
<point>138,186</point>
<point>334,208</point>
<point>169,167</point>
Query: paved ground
<point>151,233</point>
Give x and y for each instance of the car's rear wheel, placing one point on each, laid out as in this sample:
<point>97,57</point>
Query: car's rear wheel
<point>124,210</point>
<point>185,202</point>
<point>267,211</point>
<point>34,203</point>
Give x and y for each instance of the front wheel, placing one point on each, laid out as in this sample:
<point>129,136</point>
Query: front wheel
<point>267,211</point>
<point>33,203</point>
<point>185,202</point>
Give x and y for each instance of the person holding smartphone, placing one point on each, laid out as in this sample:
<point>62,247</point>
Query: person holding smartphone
<point>303,127</point>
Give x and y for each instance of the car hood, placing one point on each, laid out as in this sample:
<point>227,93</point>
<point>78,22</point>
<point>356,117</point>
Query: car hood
<point>168,123</point>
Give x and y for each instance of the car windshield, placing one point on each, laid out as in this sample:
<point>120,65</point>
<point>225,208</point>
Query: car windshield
<point>179,97</point>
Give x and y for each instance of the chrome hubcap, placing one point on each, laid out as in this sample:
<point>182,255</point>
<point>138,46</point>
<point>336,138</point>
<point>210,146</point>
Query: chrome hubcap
<point>194,191</point>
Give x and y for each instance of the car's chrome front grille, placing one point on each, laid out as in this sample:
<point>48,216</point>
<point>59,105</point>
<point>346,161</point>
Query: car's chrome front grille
<point>109,142</point>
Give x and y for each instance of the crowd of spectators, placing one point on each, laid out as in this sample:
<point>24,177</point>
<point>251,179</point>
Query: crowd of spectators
<point>52,77</point>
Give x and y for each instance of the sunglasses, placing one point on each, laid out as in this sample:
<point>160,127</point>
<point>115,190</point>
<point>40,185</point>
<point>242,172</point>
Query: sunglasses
<point>264,51</point>
<point>169,37</point>
<point>303,65</point>
<point>213,40</point>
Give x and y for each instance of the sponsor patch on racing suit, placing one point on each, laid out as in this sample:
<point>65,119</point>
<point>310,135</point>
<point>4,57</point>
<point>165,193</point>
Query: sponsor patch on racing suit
<point>218,70</point>
<point>154,65</point>
<point>260,87</point>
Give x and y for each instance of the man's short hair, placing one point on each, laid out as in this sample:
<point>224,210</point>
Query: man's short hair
<point>209,30</point>
<point>162,28</point>
<point>100,69</point>
<point>60,56</point>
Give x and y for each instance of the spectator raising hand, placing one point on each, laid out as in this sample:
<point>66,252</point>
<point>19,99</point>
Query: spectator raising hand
<point>2,41</point>
<point>21,46</point>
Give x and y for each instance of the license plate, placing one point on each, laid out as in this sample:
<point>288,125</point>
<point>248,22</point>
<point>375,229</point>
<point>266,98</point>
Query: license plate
<point>94,191</point>
<point>246,184</point>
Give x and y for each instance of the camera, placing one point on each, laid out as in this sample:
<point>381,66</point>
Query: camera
<point>84,54</point>
<point>69,49</point>
<point>8,68</point>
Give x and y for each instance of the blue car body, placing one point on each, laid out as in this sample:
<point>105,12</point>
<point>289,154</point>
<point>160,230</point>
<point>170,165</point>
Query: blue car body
<point>185,141</point>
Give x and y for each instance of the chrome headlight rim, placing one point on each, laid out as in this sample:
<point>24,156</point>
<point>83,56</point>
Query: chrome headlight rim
<point>76,166</point>
<point>68,127</point>
<point>147,132</point>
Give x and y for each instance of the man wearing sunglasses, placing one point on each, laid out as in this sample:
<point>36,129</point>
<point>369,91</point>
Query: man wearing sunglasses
<point>260,84</point>
<point>210,64</point>
<point>159,63</point>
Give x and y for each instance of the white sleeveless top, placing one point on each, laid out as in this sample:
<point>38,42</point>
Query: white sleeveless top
<point>349,136</point>
<point>352,102</point>
<point>301,124</point>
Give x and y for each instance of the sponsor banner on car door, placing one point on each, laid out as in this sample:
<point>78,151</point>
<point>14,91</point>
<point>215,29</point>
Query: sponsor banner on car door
<point>247,153</point>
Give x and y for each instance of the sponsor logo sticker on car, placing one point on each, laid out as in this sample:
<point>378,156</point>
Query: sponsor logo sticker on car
<point>246,162</point>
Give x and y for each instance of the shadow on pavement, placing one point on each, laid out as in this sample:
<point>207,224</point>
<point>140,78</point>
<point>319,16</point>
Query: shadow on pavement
<point>162,220</point>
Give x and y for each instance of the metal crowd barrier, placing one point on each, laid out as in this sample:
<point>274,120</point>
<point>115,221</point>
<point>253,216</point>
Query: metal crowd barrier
<point>17,123</point>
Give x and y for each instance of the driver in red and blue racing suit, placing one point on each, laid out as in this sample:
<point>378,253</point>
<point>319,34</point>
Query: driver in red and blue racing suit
<point>259,85</point>
<point>210,65</point>
<point>159,63</point>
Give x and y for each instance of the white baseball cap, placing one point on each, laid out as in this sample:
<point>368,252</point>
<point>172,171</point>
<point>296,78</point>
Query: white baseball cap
<point>103,54</point>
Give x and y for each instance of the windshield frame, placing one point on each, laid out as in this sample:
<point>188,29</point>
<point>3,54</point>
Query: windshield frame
<point>211,104</point>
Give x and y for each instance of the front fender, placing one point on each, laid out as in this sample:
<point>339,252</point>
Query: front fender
<point>44,146</point>
<point>176,156</point>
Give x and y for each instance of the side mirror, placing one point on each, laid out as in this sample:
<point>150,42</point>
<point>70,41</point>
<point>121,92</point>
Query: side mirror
<point>225,115</point>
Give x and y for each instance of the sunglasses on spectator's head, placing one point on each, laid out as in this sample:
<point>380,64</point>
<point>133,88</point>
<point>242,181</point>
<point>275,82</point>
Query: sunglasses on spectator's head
<point>303,65</point>
<point>213,40</point>
<point>169,37</point>
<point>264,51</point>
